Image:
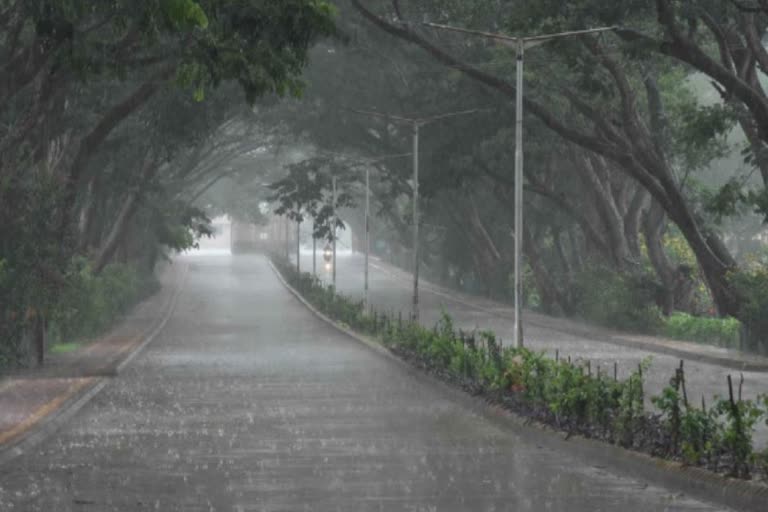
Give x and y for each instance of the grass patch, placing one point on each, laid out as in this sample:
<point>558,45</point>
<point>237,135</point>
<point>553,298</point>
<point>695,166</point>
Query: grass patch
<point>65,348</point>
<point>722,332</point>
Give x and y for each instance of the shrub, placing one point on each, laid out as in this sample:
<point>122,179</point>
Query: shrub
<point>617,300</point>
<point>753,286</point>
<point>724,332</point>
<point>91,303</point>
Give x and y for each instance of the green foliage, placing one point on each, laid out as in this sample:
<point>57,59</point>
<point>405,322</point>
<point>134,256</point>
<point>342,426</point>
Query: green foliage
<point>701,130</point>
<point>64,348</point>
<point>723,332</point>
<point>184,13</point>
<point>739,419</point>
<point>91,303</point>
<point>326,299</point>
<point>29,249</point>
<point>179,227</point>
<point>734,199</point>
<point>727,200</point>
<point>752,284</point>
<point>307,192</point>
<point>123,134</point>
<point>617,300</point>
<point>630,408</point>
<point>701,434</point>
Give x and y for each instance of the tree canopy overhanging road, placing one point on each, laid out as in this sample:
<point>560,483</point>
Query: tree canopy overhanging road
<point>127,126</point>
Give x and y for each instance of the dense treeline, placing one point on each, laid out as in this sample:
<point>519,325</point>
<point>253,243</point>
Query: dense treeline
<point>645,155</point>
<point>645,169</point>
<point>114,117</point>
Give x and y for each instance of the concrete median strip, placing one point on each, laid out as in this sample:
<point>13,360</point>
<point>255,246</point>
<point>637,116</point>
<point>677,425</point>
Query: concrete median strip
<point>729,492</point>
<point>35,406</point>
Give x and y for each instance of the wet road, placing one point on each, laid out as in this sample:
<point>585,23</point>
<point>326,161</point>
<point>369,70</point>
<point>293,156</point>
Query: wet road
<point>247,402</point>
<point>391,295</point>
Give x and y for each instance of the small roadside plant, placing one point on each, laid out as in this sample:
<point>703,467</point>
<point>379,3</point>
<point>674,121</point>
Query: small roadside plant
<point>739,420</point>
<point>631,407</point>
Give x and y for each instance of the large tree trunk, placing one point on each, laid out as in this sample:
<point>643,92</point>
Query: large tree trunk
<point>489,258</point>
<point>88,145</point>
<point>594,173</point>
<point>127,210</point>
<point>553,301</point>
<point>633,219</point>
<point>654,227</point>
<point>86,216</point>
<point>486,257</point>
<point>715,264</point>
<point>117,233</point>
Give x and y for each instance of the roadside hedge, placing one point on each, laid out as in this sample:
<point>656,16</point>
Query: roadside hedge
<point>86,305</point>
<point>91,303</point>
<point>722,332</point>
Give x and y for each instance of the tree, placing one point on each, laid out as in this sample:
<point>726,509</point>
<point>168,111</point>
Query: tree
<point>622,135</point>
<point>103,104</point>
<point>307,192</point>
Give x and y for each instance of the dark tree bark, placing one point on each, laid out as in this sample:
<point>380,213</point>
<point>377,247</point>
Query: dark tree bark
<point>128,209</point>
<point>654,227</point>
<point>632,221</point>
<point>553,301</point>
<point>99,133</point>
<point>609,213</point>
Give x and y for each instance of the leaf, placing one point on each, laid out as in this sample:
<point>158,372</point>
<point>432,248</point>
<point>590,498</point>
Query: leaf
<point>185,13</point>
<point>199,94</point>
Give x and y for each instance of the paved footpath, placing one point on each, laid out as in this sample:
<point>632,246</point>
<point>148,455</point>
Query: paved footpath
<point>391,291</point>
<point>248,402</point>
<point>32,399</point>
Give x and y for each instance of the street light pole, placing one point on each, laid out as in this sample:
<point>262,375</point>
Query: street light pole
<point>287,241</point>
<point>366,164</point>
<point>333,270</point>
<point>518,292</point>
<point>298,246</point>
<point>520,44</point>
<point>367,229</point>
<point>314,251</point>
<point>416,123</point>
<point>415,221</point>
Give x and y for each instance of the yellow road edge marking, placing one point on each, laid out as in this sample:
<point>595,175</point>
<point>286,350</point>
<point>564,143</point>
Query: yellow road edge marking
<point>44,410</point>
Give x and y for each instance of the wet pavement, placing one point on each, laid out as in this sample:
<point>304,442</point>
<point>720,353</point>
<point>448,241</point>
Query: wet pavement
<point>247,402</point>
<point>391,294</point>
<point>30,397</point>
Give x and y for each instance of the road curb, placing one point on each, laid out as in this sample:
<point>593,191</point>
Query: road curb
<point>613,339</point>
<point>49,424</point>
<point>696,482</point>
<point>158,328</point>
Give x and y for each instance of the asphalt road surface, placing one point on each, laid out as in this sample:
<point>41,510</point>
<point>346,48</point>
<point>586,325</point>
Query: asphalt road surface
<point>247,402</point>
